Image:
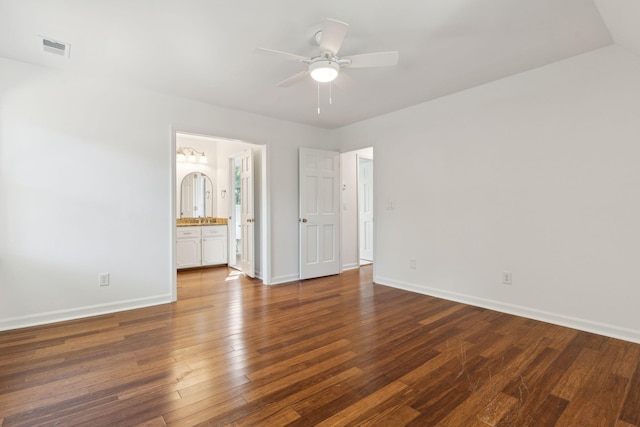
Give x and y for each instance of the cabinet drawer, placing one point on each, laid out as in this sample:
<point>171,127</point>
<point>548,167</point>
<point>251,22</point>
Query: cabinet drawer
<point>187,232</point>
<point>214,230</point>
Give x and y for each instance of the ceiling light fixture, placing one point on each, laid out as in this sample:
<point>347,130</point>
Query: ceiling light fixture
<point>324,70</point>
<point>189,154</point>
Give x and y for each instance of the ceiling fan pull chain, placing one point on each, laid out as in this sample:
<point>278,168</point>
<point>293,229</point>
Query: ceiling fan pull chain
<point>318,98</point>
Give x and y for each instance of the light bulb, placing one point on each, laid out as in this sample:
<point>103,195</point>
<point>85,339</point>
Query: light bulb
<point>324,71</point>
<point>192,157</point>
<point>203,158</point>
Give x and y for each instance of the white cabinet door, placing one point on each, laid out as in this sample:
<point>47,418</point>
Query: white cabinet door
<point>214,245</point>
<point>188,252</point>
<point>214,250</point>
<point>188,248</point>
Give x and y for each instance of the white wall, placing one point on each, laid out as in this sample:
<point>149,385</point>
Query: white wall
<point>537,174</point>
<point>86,187</point>
<point>349,216</point>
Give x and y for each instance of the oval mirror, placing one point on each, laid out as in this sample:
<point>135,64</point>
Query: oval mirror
<point>196,194</point>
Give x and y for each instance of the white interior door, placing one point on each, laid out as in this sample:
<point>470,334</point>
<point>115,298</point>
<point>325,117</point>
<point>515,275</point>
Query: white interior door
<point>365,208</point>
<point>319,213</point>
<point>247,216</point>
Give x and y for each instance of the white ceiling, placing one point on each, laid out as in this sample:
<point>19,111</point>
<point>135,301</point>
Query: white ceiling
<point>203,49</point>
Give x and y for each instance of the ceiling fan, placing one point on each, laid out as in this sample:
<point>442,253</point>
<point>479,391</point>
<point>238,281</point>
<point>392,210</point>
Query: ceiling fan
<point>326,66</point>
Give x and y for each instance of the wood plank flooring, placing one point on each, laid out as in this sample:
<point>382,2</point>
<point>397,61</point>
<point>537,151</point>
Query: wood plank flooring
<point>333,351</point>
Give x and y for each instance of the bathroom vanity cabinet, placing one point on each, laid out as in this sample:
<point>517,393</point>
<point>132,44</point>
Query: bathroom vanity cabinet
<point>198,246</point>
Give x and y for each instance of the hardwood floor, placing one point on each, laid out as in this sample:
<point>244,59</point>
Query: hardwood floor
<point>332,351</point>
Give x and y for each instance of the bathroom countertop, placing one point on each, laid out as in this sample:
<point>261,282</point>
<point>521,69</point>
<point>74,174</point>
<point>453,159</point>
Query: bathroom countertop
<point>190,222</point>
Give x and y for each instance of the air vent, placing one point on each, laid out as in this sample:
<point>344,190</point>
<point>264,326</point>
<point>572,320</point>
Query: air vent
<point>55,47</point>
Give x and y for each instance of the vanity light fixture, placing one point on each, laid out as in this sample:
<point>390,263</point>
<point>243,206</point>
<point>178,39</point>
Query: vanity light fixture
<point>189,154</point>
<point>180,156</point>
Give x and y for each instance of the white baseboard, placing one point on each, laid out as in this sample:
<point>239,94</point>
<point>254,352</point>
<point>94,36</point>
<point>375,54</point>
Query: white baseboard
<point>78,313</point>
<point>278,280</point>
<point>352,266</point>
<point>531,313</point>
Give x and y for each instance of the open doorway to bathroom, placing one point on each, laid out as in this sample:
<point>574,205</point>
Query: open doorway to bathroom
<point>206,192</point>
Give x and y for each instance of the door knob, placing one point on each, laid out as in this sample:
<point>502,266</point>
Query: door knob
<point>304,220</point>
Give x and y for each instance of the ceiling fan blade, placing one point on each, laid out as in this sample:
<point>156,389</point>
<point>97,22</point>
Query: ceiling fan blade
<point>379,59</point>
<point>333,34</point>
<point>293,79</point>
<point>283,55</point>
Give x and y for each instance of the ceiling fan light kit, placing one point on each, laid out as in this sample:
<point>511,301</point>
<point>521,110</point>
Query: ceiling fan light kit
<point>325,67</point>
<point>324,70</point>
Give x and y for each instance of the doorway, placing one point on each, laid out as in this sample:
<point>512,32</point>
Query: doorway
<point>217,152</point>
<point>365,209</point>
<point>357,219</point>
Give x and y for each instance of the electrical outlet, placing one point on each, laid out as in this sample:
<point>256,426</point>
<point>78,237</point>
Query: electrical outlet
<point>412,264</point>
<point>103,279</point>
<point>506,277</point>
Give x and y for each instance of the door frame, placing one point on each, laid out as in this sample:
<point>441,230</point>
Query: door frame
<point>349,209</point>
<point>264,205</point>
